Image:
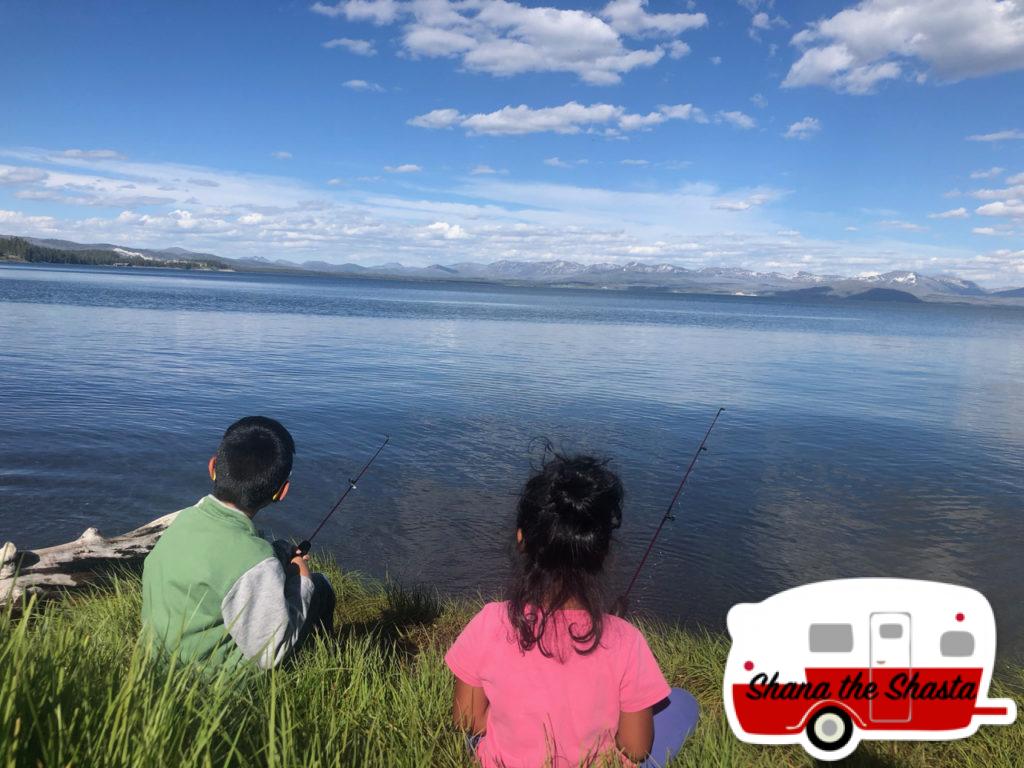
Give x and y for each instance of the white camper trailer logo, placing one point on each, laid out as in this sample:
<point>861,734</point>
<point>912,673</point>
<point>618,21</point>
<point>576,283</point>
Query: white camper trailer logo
<point>828,664</point>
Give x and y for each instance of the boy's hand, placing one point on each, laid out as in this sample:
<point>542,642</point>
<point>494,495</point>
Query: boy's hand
<point>302,563</point>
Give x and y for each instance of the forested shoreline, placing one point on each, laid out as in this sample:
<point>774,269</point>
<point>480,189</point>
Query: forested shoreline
<point>18,249</point>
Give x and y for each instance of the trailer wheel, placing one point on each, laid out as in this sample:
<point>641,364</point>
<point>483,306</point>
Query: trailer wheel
<point>830,729</point>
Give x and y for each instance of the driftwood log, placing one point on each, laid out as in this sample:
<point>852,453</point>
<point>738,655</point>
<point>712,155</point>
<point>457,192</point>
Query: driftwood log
<point>55,570</point>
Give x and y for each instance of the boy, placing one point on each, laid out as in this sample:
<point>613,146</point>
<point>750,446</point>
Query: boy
<point>213,591</point>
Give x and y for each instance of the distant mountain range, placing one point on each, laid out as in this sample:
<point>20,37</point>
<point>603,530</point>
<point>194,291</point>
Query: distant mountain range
<point>889,286</point>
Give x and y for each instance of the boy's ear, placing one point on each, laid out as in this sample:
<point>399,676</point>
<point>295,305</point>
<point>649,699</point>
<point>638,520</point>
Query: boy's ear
<point>519,539</point>
<point>282,491</point>
<point>213,468</point>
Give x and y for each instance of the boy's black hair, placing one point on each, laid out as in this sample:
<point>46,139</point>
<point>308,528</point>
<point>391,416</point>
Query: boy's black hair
<point>567,512</point>
<point>254,460</point>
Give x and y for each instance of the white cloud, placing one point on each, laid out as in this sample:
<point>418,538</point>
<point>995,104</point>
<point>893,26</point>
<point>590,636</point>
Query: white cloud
<point>716,60</point>
<point>984,231</point>
<point>677,49</point>
<point>363,85</point>
<point>438,118</point>
<point>987,174</point>
<point>126,184</point>
<point>691,224</point>
<point>834,65</point>
<point>1010,135</point>
<point>1002,193</point>
<point>907,226</point>
<point>93,154</point>
<point>955,213</point>
<point>1013,208</point>
<point>18,175</point>
<point>555,162</point>
<point>803,129</point>
<point>376,11</point>
<point>568,118</point>
<point>744,204</point>
<point>1006,201</point>
<point>739,119</point>
<point>335,182</point>
<point>482,170</point>
<point>684,112</point>
<point>281,155</point>
<point>404,168</point>
<point>877,40</point>
<point>358,47</point>
<point>631,18</point>
<point>446,231</point>
<point>762,22</point>
<point>504,38</point>
<point>635,162</point>
<point>16,221</point>
<point>639,122</point>
<point>759,100</point>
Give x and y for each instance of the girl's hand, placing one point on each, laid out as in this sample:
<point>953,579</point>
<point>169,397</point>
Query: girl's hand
<point>469,708</point>
<point>636,734</point>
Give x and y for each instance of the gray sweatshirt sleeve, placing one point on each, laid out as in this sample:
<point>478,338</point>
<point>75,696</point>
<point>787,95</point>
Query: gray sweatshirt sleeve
<point>264,611</point>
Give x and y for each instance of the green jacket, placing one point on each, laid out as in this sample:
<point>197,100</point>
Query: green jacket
<point>214,592</point>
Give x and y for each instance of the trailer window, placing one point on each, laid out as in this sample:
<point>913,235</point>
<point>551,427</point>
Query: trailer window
<point>890,631</point>
<point>831,638</point>
<point>956,644</point>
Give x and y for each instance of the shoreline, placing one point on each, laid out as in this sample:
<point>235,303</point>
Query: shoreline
<point>785,297</point>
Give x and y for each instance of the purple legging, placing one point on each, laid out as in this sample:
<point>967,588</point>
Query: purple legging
<point>674,720</point>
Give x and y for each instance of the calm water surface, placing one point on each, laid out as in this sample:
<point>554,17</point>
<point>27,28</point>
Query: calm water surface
<point>858,440</point>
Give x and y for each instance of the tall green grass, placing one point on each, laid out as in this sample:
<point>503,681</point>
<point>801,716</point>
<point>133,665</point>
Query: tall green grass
<point>75,690</point>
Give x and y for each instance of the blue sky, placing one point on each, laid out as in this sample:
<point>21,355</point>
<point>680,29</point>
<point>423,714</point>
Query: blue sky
<point>830,137</point>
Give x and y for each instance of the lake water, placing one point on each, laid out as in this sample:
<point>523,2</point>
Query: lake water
<point>859,439</point>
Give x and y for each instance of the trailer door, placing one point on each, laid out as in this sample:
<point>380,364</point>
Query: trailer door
<point>890,656</point>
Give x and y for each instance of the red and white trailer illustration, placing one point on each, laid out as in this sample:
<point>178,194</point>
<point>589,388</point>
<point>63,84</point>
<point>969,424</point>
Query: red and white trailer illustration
<point>825,665</point>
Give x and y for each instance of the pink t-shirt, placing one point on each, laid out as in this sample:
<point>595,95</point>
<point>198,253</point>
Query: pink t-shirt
<point>564,709</point>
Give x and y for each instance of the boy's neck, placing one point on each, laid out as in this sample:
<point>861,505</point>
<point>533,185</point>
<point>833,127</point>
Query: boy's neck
<point>229,505</point>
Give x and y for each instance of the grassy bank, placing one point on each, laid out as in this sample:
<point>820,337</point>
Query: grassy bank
<point>75,692</point>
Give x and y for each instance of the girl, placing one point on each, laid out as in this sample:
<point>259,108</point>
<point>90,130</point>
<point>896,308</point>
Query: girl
<point>547,677</point>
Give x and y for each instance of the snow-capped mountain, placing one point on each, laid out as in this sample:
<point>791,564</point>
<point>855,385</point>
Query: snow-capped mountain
<point>632,274</point>
<point>918,284</point>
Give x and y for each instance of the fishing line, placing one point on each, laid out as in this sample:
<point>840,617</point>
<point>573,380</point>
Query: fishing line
<point>304,547</point>
<point>668,512</point>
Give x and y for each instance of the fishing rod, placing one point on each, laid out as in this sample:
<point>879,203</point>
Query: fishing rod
<point>304,547</point>
<point>668,512</point>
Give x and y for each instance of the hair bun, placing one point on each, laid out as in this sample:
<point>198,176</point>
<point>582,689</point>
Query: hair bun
<point>574,488</point>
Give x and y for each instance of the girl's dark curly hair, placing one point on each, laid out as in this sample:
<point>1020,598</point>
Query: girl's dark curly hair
<point>567,512</point>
